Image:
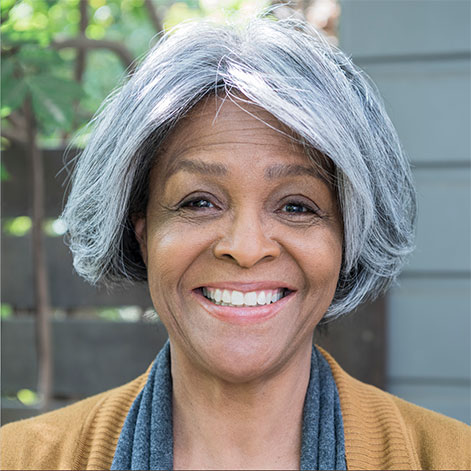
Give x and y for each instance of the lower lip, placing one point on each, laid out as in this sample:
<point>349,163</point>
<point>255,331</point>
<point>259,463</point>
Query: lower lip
<point>243,315</point>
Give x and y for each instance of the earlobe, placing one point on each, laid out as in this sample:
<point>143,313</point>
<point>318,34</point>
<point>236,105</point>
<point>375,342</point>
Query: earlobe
<point>140,230</point>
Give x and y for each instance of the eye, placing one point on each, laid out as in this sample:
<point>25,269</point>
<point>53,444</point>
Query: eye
<point>296,208</point>
<point>197,203</point>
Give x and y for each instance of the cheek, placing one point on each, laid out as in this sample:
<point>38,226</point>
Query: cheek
<point>172,250</point>
<point>320,257</point>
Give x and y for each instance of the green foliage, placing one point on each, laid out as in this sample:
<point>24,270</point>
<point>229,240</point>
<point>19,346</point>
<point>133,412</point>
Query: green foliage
<point>21,225</point>
<point>33,69</point>
<point>6,311</point>
<point>109,314</point>
<point>119,314</point>
<point>17,227</point>
<point>53,100</point>
<point>4,175</point>
<point>27,397</point>
<point>30,71</point>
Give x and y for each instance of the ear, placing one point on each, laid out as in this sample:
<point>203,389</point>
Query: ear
<point>140,231</point>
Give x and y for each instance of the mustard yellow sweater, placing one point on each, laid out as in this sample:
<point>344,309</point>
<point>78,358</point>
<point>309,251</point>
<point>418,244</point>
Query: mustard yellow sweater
<point>381,432</point>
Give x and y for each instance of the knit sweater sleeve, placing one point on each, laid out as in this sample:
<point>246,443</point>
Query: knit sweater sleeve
<point>48,441</point>
<point>81,436</point>
<point>440,442</point>
<point>385,432</point>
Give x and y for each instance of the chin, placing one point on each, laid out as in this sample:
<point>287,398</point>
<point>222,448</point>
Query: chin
<point>244,361</point>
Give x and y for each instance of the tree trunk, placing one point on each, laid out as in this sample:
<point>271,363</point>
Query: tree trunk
<point>81,50</point>
<point>41,285</point>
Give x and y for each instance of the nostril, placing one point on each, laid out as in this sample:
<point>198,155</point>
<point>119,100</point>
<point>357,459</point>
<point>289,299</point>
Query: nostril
<point>246,247</point>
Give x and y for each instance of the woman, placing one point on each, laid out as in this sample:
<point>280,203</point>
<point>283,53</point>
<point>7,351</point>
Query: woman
<point>252,178</point>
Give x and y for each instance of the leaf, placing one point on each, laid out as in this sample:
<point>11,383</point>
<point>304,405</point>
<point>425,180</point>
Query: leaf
<point>13,88</point>
<point>13,94</point>
<point>4,175</point>
<point>36,56</point>
<point>53,100</point>
<point>5,7</point>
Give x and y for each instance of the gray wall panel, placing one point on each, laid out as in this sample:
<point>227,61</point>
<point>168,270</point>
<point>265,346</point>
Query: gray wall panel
<point>429,330</point>
<point>418,54</point>
<point>404,27</point>
<point>429,103</point>
<point>443,222</point>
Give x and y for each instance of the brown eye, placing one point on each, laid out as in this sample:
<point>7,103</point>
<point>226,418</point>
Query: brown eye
<point>197,204</point>
<point>296,208</point>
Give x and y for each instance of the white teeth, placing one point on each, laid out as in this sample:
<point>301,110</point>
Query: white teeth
<point>261,298</point>
<point>237,298</point>
<point>250,299</point>
<point>226,296</point>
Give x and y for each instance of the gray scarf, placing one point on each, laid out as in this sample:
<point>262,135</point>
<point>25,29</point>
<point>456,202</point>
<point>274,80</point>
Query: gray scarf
<point>146,440</point>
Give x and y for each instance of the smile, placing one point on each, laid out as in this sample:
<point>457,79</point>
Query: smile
<point>226,297</point>
<point>251,303</point>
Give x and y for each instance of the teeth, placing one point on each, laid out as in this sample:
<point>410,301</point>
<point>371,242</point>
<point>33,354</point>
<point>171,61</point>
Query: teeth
<point>250,299</point>
<point>237,298</point>
<point>261,298</point>
<point>226,296</point>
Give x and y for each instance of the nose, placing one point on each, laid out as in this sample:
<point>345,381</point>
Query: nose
<point>246,241</point>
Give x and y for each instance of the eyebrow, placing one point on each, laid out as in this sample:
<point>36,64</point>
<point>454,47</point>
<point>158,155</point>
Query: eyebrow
<point>219,170</point>
<point>198,166</point>
<point>291,170</point>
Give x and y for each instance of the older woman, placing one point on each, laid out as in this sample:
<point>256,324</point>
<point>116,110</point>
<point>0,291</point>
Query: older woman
<point>252,178</point>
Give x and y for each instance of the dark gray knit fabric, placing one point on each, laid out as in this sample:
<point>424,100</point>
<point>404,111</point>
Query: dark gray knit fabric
<point>146,440</point>
<point>323,443</point>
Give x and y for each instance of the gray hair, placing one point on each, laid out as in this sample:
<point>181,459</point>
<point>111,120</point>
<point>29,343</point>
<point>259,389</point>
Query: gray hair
<point>289,70</point>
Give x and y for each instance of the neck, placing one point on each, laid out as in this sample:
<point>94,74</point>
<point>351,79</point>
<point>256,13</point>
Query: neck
<point>225,425</point>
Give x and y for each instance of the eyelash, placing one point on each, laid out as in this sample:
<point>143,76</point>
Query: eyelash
<point>305,208</point>
<point>192,204</point>
<point>188,203</point>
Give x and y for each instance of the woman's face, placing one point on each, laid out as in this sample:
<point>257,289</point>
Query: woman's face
<point>238,215</point>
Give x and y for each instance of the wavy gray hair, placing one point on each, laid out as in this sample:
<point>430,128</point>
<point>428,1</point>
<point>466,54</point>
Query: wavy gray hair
<point>289,70</point>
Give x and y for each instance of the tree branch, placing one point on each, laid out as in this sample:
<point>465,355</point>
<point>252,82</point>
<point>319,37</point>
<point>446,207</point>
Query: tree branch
<point>153,16</point>
<point>81,51</point>
<point>41,281</point>
<point>16,130</point>
<point>17,119</point>
<point>83,42</point>
<point>5,18</point>
<point>15,135</point>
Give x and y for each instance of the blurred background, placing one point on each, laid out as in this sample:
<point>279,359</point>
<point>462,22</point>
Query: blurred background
<point>63,340</point>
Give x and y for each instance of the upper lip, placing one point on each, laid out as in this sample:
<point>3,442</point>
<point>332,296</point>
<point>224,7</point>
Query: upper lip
<point>247,287</point>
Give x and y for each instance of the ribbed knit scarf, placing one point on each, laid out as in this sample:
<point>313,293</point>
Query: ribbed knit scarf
<point>146,440</point>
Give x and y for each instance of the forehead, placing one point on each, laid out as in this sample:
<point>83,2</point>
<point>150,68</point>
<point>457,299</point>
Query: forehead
<point>216,121</point>
<point>216,127</point>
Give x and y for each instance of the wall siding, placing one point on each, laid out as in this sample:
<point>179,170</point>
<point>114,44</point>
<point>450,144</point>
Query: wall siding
<point>418,54</point>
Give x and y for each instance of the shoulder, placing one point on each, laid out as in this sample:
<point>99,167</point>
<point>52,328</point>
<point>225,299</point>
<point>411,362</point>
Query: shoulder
<point>385,432</point>
<point>46,441</point>
<point>441,442</point>
<point>72,437</point>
